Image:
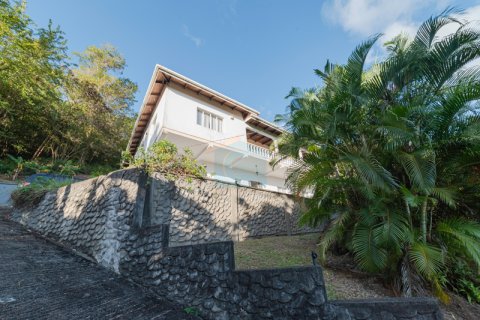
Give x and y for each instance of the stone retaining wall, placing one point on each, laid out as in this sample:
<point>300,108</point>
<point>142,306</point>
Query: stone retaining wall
<point>93,216</point>
<point>391,309</point>
<point>202,211</point>
<point>106,219</point>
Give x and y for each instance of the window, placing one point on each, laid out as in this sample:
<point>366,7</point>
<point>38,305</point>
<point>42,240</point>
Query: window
<point>209,120</point>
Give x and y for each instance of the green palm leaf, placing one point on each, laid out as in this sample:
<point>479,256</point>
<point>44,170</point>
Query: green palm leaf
<point>420,167</point>
<point>427,259</point>
<point>461,235</point>
<point>368,254</point>
<point>334,232</point>
<point>446,195</point>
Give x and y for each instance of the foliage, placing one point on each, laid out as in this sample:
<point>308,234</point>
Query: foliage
<point>191,310</point>
<point>464,281</point>
<point>31,195</point>
<point>391,153</point>
<point>95,170</point>
<point>163,157</point>
<point>17,166</point>
<point>50,107</point>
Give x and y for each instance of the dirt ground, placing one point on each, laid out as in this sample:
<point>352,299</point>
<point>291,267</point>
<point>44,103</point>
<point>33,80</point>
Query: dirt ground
<point>342,280</point>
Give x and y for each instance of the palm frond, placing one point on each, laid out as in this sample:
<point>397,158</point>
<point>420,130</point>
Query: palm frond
<point>368,254</point>
<point>446,195</point>
<point>427,259</point>
<point>334,232</point>
<point>461,235</point>
<point>392,230</point>
<point>429,29</point>
<point>355,65</point>
<point>420,167</point>
<point>371,170</point>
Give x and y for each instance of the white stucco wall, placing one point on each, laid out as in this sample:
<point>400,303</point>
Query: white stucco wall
<point>156,124</point>
<point>177,111</point>
<point>223,173</point>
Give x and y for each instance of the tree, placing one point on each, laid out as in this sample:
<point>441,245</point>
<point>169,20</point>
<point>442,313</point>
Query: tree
<point>100,103</point>
<point>389,153</point>
<point>51,108</point>
<point>32,64</point>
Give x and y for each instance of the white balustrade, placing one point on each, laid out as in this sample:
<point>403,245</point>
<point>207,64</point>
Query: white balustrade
<point>260,151</point>
<point>267,154</point>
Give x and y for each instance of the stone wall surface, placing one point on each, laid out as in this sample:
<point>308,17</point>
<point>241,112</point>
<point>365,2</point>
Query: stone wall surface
<point>390,309</point>
<point>92,216</point>
<point>197,211</point>
<point>202,211</point>
<point>110,220</point>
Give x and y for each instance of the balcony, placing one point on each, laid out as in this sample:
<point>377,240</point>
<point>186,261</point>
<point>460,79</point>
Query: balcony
<point>267,154</point>
<point>260,152</point>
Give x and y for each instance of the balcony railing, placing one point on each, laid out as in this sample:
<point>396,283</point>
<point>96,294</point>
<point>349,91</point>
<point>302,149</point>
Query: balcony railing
<point>267,154</point>
<point>260,151</point>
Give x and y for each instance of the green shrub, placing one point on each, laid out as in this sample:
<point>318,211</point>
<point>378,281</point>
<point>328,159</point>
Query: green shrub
<point>17,167</point>
<point>31,195</point>
<point>465,281</point>
<point>7,166</point>
<point>163,157</point>
<point>95,170</point>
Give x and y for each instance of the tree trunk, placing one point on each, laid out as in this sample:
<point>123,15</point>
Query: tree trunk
<point>409,213</point>
<point>40,148</point>
<point>424,220</point>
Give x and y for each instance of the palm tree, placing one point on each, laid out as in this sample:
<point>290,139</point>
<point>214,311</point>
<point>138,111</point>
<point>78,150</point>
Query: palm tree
<point>389,152</point>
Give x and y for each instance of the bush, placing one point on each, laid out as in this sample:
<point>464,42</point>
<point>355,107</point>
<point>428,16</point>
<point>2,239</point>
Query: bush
<point>163,157</point>
<point>465,281</point>
<point>17,166</point>
<point>7,166</point>
<point>31,195</point>
<point>95,170</point>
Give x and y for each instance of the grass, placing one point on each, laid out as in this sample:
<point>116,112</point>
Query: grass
<point>275,252</point>
<point>278,252</point>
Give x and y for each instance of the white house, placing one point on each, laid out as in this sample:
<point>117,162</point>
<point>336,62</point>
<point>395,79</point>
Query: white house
<point>226,136</point>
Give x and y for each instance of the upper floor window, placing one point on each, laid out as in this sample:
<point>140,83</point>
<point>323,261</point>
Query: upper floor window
<point>208,120</point>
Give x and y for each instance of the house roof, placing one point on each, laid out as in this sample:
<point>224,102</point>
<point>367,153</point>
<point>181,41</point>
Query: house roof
<point>161,78</point>
<point>265,125</point>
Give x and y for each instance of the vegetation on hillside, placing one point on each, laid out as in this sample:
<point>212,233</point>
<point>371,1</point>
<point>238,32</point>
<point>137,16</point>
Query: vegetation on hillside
<point>52,110</point>
<point>392,154</point>
<point>31,195</point>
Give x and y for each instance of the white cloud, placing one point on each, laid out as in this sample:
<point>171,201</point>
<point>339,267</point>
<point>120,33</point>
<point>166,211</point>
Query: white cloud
<point>396,28</point>
<point>367,17</point>
<point>196,40</point>
<point>471,16</point>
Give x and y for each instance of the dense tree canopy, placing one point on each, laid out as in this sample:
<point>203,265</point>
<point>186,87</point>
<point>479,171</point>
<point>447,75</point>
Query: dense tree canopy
<point>51,107</point>
<point>392,155</point>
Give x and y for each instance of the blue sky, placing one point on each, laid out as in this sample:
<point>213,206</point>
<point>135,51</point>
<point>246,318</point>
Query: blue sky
<point>253,51</point>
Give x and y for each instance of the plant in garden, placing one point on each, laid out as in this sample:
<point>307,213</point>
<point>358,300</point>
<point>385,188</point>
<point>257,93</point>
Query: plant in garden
<point>163,157</point>
<point>392,155</point>
<point>31,195</point>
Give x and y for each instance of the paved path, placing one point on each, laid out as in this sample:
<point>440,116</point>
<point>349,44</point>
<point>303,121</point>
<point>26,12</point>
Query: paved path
<point>6,189</point>
<point>39,280</point>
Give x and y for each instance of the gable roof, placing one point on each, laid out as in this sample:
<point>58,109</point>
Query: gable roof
<point>161,77</point>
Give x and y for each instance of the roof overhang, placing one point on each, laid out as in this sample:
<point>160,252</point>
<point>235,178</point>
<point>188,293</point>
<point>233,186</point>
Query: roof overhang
<point>263,124</point>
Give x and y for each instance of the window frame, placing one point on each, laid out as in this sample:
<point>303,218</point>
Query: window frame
<point>209,120</point>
